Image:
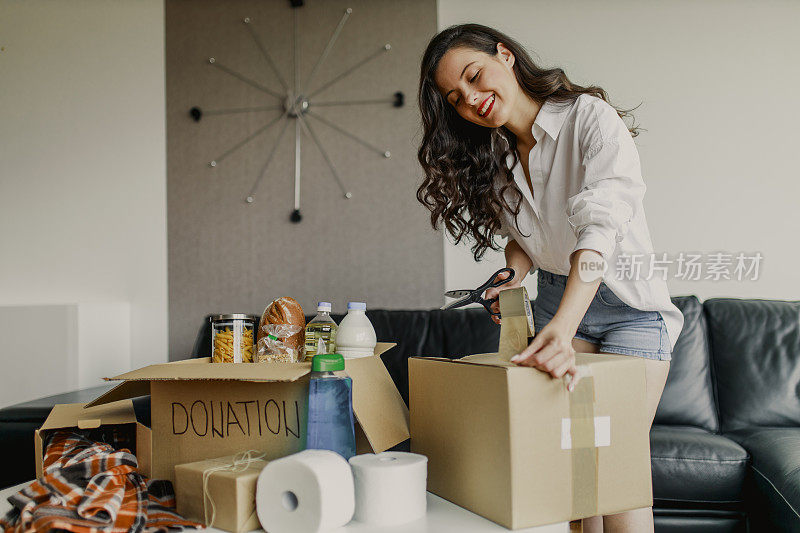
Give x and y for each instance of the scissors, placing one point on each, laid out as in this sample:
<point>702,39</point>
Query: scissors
<point>466,297</point>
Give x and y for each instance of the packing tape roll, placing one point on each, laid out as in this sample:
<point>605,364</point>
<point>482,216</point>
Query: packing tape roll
<point>309,491</point>
<point>516,326</point>
<point>390,487</point>
<point>584,450</point>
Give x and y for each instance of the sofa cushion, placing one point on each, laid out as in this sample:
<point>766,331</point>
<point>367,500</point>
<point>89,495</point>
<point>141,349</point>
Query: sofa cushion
<point>688,397</point>
<point>692,465</point>
<point>775,463</point>
<point>756,361</point>
<point>669,520</point>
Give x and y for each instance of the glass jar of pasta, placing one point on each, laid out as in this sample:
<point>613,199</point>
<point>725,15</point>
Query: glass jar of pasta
<point>233,338</point>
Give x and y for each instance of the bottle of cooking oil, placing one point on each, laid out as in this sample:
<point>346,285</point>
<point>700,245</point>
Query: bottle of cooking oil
<point>321,332</point>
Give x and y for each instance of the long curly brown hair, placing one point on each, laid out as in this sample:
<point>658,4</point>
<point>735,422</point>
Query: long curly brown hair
<point>462,160</point>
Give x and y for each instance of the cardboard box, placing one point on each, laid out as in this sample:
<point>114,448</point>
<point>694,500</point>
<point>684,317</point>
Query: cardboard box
<point>201,410</point>
<point>513,445</point>
<point>232,490</point>
<point>76,415</point>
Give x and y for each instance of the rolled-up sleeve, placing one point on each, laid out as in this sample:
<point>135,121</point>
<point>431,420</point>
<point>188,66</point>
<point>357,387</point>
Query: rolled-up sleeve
<point>613,189</point>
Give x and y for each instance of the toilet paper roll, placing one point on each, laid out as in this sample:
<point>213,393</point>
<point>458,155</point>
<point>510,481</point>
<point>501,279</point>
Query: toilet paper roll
<point>309,491</point>
<point>390,487</point>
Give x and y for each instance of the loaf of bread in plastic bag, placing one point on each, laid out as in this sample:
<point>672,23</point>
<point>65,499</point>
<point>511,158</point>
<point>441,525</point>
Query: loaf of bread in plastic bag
<point>285,310</point>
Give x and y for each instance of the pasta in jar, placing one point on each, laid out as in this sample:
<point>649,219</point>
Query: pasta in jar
<point>232,339</point>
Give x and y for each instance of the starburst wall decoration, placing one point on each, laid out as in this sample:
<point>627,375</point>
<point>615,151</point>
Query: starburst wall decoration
<point>296,103</point>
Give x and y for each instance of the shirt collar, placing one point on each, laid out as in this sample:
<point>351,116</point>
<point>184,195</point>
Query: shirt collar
<point>549,119</point>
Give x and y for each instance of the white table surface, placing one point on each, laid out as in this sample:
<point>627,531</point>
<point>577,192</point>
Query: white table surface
<point>442,517</point>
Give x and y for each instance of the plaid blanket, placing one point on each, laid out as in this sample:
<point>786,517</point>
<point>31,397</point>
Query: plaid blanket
<point>88,486</point>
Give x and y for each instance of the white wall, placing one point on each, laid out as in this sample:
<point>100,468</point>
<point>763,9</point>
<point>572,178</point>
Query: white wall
<point>717,80</point>
<point>52,349</point>
<point>39,354</point>
<point>83,161</point>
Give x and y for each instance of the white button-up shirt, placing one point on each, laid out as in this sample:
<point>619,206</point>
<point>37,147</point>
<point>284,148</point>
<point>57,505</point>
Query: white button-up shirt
<point>588,191</point>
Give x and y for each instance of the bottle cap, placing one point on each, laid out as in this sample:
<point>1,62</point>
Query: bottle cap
<point>359,306</point>
<point>327,362</point>
<point>324,306</point>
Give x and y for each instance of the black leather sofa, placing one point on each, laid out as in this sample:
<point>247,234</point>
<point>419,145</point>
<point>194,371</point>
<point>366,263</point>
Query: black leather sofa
<point>725,444</point>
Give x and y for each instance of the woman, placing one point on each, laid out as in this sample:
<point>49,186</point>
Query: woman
<point>514,150</point>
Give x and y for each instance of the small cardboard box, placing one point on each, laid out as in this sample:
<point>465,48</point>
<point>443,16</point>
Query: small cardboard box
<point>513,445</point>
<point>232,490</point>
<point>201,410</point>
<point>76,415</point>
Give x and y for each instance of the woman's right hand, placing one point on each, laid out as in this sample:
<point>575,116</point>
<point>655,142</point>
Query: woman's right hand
<point>494,292</point>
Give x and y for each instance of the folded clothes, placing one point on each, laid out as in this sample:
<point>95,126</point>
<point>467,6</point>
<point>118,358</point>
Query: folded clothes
<point>89,486</point>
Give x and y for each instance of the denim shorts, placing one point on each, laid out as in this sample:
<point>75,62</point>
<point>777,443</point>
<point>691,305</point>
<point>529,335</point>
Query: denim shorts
<point>609,322</point>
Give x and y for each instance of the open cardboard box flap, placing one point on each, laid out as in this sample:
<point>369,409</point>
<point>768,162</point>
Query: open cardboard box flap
<point>123,391</point>
<point>377,404</point>
<point>68,415</point>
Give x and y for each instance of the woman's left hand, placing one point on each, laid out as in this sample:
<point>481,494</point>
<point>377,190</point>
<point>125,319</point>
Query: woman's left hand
<point>551,351</point>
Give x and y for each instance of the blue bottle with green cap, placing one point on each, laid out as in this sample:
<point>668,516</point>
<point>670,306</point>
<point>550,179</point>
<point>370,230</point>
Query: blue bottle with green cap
<point>330,407</point>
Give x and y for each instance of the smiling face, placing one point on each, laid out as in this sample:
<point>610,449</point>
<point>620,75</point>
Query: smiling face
<point>481,88</point>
